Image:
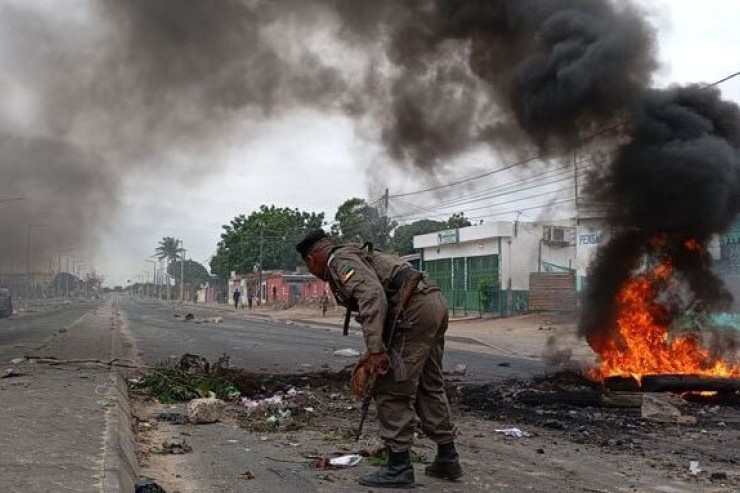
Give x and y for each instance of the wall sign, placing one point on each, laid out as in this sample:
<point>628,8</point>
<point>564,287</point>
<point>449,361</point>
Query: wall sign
<point>448,237</point>
<point>590,239</point>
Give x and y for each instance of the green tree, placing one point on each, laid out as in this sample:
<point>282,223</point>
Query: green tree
<point>358,222</point>
<point>403,238</point>
<point>268,234</point>
<point>169,248</point>
<point>458,220</point>
<point>195,274</point>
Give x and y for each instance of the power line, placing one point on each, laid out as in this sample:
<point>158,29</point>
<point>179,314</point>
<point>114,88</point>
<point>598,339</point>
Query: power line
<point>508,192</point>
<point>528,160</point>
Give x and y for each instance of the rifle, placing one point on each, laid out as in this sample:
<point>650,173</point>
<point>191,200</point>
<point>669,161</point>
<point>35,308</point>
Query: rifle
<point>366,400</point>
<point>347,316</point>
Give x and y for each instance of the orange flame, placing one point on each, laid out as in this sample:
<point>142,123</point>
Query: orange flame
<point>642,344</point>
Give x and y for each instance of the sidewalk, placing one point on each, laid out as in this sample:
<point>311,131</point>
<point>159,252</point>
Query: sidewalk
<point>529,336</point>
<point>66,427</point>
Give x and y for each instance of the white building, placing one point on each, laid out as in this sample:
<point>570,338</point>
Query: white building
<point>489,267</point>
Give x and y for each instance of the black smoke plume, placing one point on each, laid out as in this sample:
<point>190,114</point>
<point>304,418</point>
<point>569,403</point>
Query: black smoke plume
<point>678,178</point>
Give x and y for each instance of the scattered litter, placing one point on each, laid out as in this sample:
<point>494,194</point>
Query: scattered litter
<point>347,353</point>
<point>505,364</point>
<point>256,403</point>
<point>208,410</point>
<point>292,392</point>
<point>176,446</point>
<point>513,433</point>
<point>232,441</point>
<point>345,460</point>
<point>17,361</point>
<point>718,476</point>
<point>176,315</point>
<point>460,369</point>
<point>11,372</point>
<point>217,320</point>
<point>694,468</point>
<point>148,486</point>
<point>172,418</point>
<point>248,474</point>
<point>308,409</point>
<point>338,462</point>
<point>189,317</point>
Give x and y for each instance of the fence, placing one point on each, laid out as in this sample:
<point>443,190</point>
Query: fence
<point>469,284</point>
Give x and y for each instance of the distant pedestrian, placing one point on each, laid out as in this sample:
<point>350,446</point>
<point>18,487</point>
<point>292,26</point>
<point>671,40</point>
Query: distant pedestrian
<point>324,305</point>
<point>237,294</point>
<point>250,298</point>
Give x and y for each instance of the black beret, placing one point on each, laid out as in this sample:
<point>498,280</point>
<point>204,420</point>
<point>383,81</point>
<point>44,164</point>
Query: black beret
<point>309,241</point>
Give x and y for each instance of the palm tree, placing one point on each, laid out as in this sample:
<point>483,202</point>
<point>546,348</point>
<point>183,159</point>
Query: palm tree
<point>169,248</point>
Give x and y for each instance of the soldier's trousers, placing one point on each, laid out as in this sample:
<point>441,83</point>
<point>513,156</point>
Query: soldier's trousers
<point>421,397</point>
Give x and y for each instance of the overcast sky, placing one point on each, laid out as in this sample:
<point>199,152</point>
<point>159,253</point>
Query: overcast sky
<point>315,161</point>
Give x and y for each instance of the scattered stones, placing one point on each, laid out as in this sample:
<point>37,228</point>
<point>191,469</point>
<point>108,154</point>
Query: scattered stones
<point>176,446</point>
<point>718,476</point>
<point>17,361</point>
<point>189,317</point>
<point>62,330</point>
<point>248,474</point>
<point>148,486</point>
<point>172,418</point>
<point>660,408</point>
<point>10,373</point>
<point>207,410</point>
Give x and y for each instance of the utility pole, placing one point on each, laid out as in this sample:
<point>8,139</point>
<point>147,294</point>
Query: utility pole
<point>385,202</point>
<point>154,275</point>
<point>262,229</point>
<point>182,273</point>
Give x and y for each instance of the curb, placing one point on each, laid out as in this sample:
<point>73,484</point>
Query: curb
<point>120,465</point>
<point>120,469</point>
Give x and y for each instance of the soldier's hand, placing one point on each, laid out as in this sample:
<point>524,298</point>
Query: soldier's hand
<point>367,366</point>
<point>379,363</point>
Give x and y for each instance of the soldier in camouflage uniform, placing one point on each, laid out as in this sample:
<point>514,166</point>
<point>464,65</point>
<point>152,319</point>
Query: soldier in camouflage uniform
<point>370,282</point>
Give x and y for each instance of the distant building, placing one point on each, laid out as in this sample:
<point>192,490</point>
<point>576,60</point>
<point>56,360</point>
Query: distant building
<point>283,287</point>
<point>488,268</point>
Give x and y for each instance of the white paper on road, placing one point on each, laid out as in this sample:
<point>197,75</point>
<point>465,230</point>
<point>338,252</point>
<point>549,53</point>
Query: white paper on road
<point>347,353</point>
<point>345,461</point>
<point>513,432</point>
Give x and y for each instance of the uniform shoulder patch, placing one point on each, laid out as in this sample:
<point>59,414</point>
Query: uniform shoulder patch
<point>346,271</point>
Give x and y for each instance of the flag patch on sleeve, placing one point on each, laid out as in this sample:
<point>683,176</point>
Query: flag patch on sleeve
<point>346,271</point>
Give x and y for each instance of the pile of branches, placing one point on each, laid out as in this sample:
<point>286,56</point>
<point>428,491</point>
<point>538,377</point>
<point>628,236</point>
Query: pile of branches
<point>189,378</point>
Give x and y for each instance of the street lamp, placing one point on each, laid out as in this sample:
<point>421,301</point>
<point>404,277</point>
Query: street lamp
<point>30,227</point>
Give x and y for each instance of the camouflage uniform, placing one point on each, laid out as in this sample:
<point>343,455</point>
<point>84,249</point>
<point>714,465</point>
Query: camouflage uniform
<point>362,279</point>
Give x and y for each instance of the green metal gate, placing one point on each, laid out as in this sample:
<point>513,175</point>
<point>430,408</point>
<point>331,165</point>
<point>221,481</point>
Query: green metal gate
<point>469,284</point>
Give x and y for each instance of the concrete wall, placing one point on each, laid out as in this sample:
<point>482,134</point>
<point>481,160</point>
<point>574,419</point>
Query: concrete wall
<point>590,235</point>
<point>469,249</point>
<point>521,254</point>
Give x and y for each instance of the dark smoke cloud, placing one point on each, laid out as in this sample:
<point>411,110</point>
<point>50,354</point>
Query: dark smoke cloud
<point>560,65</point>
<point>678,176</point>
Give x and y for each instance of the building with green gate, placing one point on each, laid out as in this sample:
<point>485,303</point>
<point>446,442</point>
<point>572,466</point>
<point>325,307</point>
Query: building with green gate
<point>485,269</point>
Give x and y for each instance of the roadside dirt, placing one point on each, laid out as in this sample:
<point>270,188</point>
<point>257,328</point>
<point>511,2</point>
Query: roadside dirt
<point>569,448</point>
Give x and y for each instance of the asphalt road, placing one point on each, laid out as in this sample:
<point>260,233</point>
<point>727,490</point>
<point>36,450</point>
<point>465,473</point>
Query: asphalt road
<point>261,345</point>
<point>27,332</point>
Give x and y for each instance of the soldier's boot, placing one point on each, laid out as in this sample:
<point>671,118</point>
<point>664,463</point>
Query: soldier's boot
<point>399,473</point>
<point>447,463</point>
